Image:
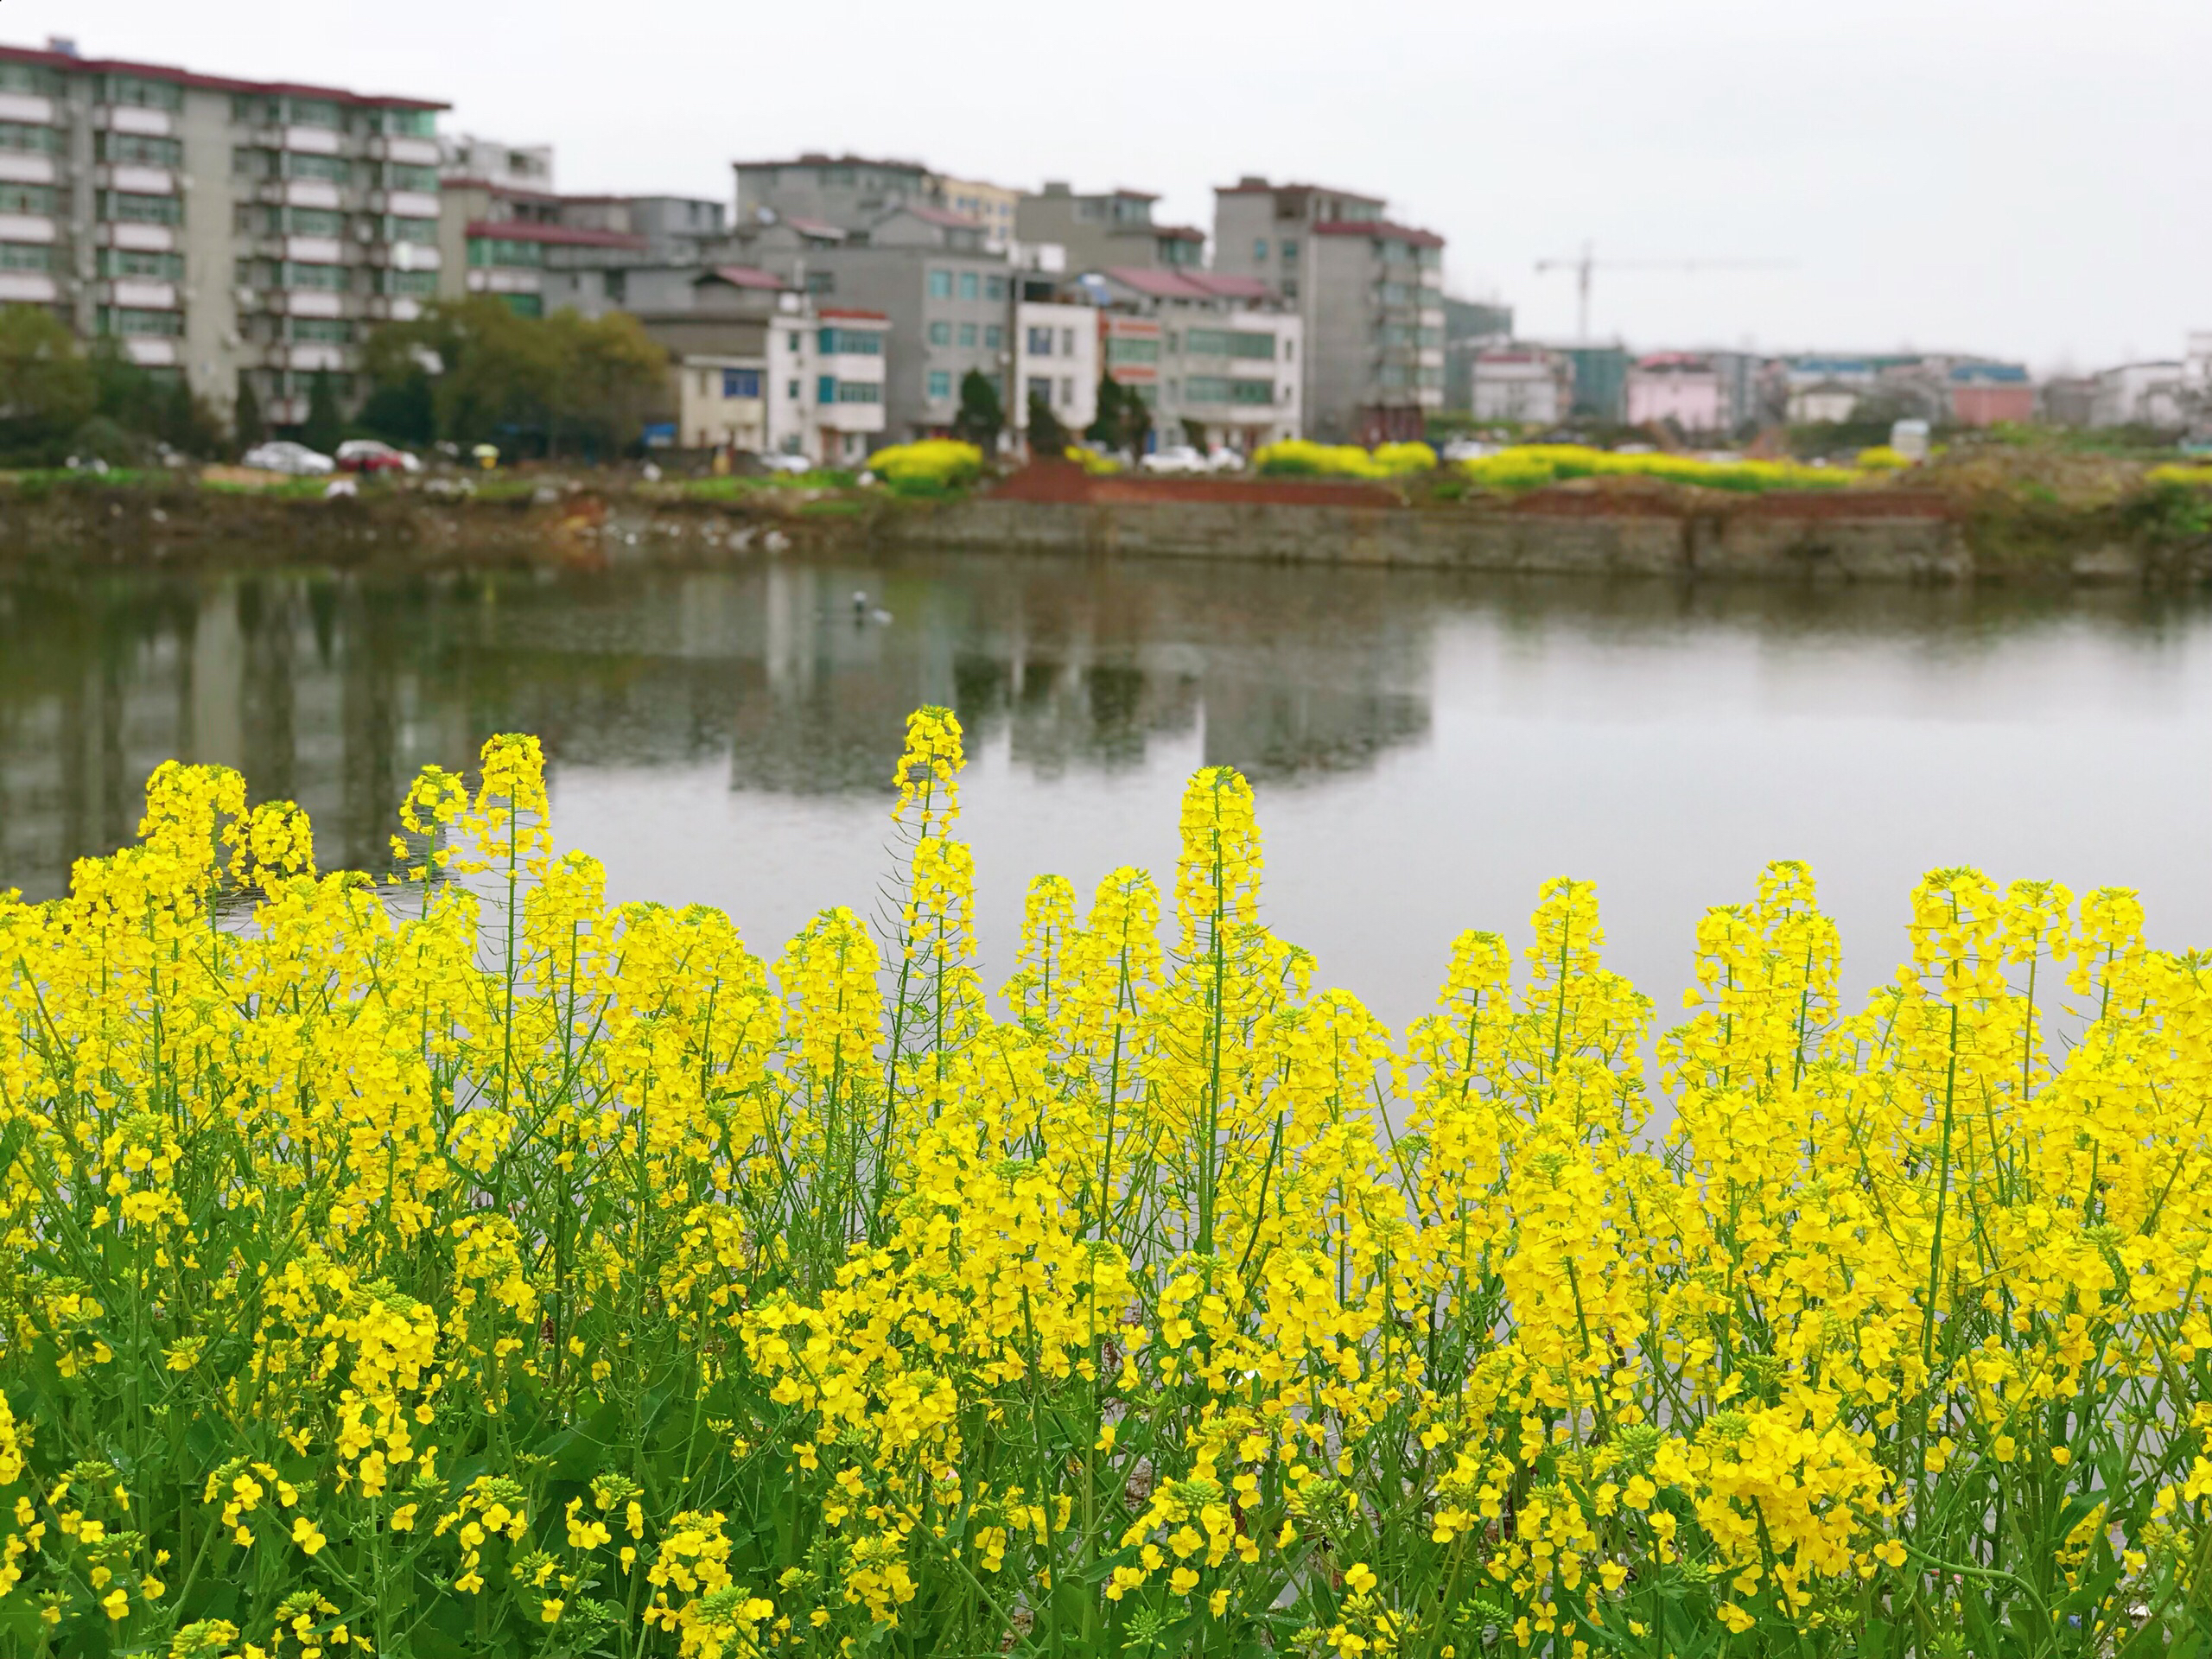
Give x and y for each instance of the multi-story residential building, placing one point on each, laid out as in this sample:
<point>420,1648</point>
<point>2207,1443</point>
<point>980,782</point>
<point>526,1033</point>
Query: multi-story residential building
<point>851,381</point>
<point>1370,291</point>
<point>740,344</point>
<point>500,241</point>
<point>1982,394</point>
<point>504,166</point>
<point>1528,385</point>
<point>1223,367</point>
<point>1108,229</point>
<point>848,191</point>
<point>1055,362</point>
<point>226,232</point>
<point>2141,394</point>
<point>1681,389</point>
<point>1470,326</point>
<point>994,207</point>
<point>1600,382</point>
<point>949,301</point>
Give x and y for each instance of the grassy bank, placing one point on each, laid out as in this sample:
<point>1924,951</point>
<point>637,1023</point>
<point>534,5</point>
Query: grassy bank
<point>468,1267</point>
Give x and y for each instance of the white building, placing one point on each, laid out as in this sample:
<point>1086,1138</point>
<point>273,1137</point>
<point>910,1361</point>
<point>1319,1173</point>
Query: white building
<point>2141,394</point>
<point>503,166</point>
<point>1219,362</point>
<point>849,355</point>
<point>1056,362</point>
<point>1527,385</point>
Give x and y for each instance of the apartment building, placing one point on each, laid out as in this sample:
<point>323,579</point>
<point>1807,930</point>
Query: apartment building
<point>850,192</point>
<point>1055,362</point>
<point>1526,385</point>
<point>1221,363</point>
<point>1678,389</point>
<point>502,241</point>
<point>1370,292</point>
<point>992,206</point>
<point>226,232</point>
<point>494,161</point>
<point>1108,229</point>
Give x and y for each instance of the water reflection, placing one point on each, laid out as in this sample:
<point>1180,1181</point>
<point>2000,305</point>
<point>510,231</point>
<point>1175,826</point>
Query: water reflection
<point>1426,746</point>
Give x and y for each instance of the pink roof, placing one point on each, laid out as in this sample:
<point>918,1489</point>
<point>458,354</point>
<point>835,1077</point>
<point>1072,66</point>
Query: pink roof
<point>1158,282</point>
<point>65,62</point>
<point>1674,360</point>
<point>849,315</point>
<point>1227,287</point>
<point>521,230</point>
<point>745,277</point>
<point>1380,228</point>
<point>816,228</point>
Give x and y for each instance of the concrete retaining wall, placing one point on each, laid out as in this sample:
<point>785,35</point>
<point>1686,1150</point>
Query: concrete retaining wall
<point>1831,544</point>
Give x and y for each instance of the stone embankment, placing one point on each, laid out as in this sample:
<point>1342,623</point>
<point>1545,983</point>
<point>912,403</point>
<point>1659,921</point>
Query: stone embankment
<point>1855,535</point>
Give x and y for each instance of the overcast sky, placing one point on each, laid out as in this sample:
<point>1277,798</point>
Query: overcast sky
<point>2027,178</point>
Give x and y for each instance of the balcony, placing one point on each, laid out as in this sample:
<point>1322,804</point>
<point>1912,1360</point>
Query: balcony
<point>404,255</point>
<point>301,193</point>
<point>143,123</point>
<point>499,280</point>
<point>26,227</point>
<point>28,287</point>
<point>311,357</point>
<point>151,353</point>
<point>138,238</point>
<point>305,302</point>
<point>141,294</point>
<point>16,168</point>
<point>306,141</point>
<point>412,152</point>
<point>25,107</point>
<point>394,308</point>
<point>134,181</point>
<point>404,204</point>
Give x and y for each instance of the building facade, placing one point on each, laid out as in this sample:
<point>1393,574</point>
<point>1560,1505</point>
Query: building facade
<point>1056,349</point>
<point>1983,394</point>
<point>849,192</point>
<point>994,207</point>
<point>223,231</point>
<point>1524,386</point>
<point>1222,365</point>
<point>1369,291</point>
<point>1677,388</point>
<point>1470,326</point>
<point>1108,229</point>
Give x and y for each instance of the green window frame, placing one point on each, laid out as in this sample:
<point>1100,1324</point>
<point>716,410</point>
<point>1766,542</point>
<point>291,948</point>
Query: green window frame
<point>24,138</point>
<point>26,255</point>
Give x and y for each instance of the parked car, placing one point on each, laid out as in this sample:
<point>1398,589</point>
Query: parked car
<point>367,455</point>
<point>1467,449</point>
<point>295,459</point>
<point>1176,458</point>
<point>795,465</point>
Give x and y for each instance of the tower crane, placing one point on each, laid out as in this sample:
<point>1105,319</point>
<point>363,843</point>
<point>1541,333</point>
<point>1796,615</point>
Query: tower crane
<point>1586,263</point>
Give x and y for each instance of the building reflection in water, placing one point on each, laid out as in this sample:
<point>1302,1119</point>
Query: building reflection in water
<point>333,690</point>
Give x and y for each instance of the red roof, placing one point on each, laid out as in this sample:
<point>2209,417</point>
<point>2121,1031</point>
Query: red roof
<point>1158,282</point>
<point>941,216</point>
<point>850,316</point>
<point>745,277</point>
<point>521,230</point>
<point>73,65</point>
<point>1379,229</point>
<point>1228,287</point>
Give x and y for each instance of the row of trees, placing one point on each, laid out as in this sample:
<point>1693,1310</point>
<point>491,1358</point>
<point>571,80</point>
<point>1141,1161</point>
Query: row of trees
<point>468,371</point>
<point>1123,417</point>
<point>58,399</point>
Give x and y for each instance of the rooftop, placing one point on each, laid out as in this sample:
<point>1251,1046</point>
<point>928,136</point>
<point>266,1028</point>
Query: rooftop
<point>1379,229</point>
<point>69,63</point>
<point>944,216</point>
<point>1160,282</point>
<point>846,314</point>
<point>522,230</point>
<point>741,277</point>
<point>819,158</point>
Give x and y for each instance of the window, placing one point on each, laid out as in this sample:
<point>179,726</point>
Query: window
<point>26,255</point>
<point>615,284</point>
<point>415,284</point>
<point>940,334</point>
<point>825,389</point>
<point>852,342</point>
<point>497,251</point>
<point>43,141</point>
<point>1131,348</point>
<point>1432,338</point>
<point>1288,250</point>
<point>1040,343</point>
<point>1394,377</point>
<point>1040,388</point>
<point>1396,294</point>
<point>249,112</point>
<point>145,94</point>
<point>798,345</point>
<point>1432,378</point>
<point>822,281</point>
<point>860,391</point>
<point>421,232</point>
<point>405,123</point>
<point>323,331</point>
<point>249,163</point>
<point>532,306</point>
<point>397,176</point>
<point>792,389</point>
<point>1067,391</point>
<point>967,335</point>
<point>331,169</point>
<point>1290,287</point>
<point>1208,388</point>
<point>1067,342</point>
<point>971,285</point>
<point>331,279</point>
<point>313,221</point>
<point>314,112</point>
<point>1260,250</point>
<point>741,383</point>
<point>141,324</point>
<point>26,198</point>
<point>34,78</point>
<point>940,385</point>
<point>940,284</point>
<point>141,210</point>
<point>995,288</point>
<point>135,149</point>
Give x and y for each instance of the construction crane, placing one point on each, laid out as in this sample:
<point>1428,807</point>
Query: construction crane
<point>1586,263</point>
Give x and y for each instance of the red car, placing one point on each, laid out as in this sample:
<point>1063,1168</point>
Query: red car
<point>367,455</point>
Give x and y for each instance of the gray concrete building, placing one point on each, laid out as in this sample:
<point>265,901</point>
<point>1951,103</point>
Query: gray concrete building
<point>1107,230</point>
<point>1371,294</point>
<point>849,192</point>
<point>225,232</point>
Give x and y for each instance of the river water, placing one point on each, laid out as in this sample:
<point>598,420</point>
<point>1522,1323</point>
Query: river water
<point>1425,748</point>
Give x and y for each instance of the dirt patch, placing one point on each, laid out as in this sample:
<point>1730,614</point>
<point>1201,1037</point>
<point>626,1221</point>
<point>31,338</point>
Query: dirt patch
<point>1064,484</point>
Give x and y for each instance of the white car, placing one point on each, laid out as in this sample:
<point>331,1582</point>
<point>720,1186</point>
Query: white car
<point>1176,458</point>
<point>295,459</point>
<point>795,465</point>
<point>1467,449</point>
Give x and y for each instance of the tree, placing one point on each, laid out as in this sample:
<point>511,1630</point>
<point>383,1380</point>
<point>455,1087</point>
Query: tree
<point>247,428</point>
<point>1046,436</point>
<point>981,416</point>
<point>46,386</point>
<point>404,411</point>
<point>326,426</point>
<point>1123,416</point>
<point>186,422</point>
<point>609,371</point>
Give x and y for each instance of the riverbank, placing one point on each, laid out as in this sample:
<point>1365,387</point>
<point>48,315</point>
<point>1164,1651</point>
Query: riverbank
<point>1920,532</point>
